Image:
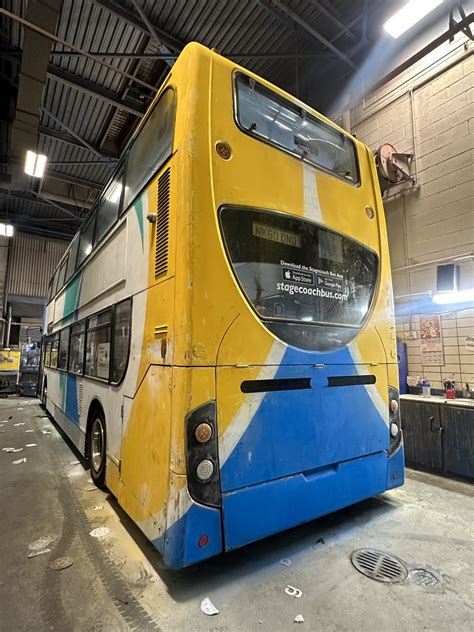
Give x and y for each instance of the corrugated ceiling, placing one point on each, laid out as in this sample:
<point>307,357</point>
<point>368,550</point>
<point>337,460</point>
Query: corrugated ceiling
<point>232,26</point>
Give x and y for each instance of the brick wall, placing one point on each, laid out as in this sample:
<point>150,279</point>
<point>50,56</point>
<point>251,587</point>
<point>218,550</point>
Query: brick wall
<point>429,111</point>
<point>458,361</point>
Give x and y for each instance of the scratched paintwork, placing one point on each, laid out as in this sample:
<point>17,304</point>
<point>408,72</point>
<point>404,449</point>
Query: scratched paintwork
<point>194,337</point>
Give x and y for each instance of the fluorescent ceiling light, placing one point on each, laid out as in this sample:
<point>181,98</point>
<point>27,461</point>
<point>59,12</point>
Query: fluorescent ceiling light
<point>460,296</point>
<point>6,230</point>
<point>408,15</point>
<point>35,164</point>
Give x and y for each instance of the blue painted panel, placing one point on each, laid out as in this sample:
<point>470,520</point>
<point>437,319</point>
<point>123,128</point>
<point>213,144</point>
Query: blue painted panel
<point>181,539</point>
<point>255,512</point>
<point>72,410</point>
<point>300,430</point>
<point>396,468</point>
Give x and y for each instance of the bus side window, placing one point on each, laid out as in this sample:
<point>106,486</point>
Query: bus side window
<point>54,351</point>
<point>71,262</point>
<point>98,345</point>
<point>152,146</point>
<point>61,275</point>
<point>86,238</point>
<point>76,349</point>
<point>108,210</point>
<point>63,349</point>
<point>47,355</point>
<point>54,286</point>
<point>121,342</point>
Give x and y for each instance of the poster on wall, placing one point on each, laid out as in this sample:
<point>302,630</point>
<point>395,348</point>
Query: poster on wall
<point>431,341</point>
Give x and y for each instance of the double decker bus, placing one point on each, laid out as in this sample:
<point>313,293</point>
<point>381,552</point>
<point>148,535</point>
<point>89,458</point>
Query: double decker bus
<point>220,332</point>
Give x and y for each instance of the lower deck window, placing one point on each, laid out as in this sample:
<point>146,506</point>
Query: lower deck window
<point>98,346</point>
<point>54,351</point>
<point>63,349</point>
<point>123,312</point>
<point>76,352</point>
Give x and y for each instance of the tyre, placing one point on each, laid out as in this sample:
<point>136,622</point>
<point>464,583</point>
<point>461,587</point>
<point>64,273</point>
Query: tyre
<point>97,448</point>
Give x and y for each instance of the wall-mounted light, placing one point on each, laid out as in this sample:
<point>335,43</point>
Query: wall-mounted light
<point>35,164</point>
<point>409,15</point>
<point>458,296</point>
<point>6,230</point>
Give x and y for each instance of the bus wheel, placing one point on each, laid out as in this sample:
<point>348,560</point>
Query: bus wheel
<point>97,448</point>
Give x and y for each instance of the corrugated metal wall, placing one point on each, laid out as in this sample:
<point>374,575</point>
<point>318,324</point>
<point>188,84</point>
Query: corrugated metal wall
<point>31,263</point>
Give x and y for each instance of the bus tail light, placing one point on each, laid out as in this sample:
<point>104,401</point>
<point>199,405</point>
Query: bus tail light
<point>394,419</point>
<point>202,456</point>
<point>203,433</point>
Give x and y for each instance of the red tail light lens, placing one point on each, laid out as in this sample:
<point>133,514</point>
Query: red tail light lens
<point>203,433</point>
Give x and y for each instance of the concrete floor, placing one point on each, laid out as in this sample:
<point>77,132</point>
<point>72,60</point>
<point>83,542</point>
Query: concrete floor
<point>118,582</point>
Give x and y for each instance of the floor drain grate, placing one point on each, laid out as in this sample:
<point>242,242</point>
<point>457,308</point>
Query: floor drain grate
<point>380,566</point>
<point>423,577</point>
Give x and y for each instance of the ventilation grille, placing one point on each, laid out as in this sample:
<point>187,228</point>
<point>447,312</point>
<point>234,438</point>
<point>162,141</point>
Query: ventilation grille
<point>162,224</point>
<point>80,393</point>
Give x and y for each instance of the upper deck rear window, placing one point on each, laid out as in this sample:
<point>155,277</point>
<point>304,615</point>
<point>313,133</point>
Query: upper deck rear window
<point>267,116</point>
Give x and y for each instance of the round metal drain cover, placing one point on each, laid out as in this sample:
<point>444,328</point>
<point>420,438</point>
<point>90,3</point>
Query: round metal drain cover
<point>60,563</point>
<point>42,543</point>
<point>423,577</point>
<point>380,566</point>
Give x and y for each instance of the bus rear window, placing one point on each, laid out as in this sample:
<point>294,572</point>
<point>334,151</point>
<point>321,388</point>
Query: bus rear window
<point>277,121</point>
<point>293,270</point>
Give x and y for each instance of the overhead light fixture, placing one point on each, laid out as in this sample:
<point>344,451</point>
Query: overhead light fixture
<point>6,230</point>
<point>409,15</point>
<point>35,164</point>
<point>459,296</point>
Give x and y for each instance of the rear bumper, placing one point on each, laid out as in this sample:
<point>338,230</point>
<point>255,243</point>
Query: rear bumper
<point>396,466</point>
<point>255,512</point>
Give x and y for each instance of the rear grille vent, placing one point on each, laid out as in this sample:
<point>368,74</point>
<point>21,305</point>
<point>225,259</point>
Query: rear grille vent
<point>162,224</point>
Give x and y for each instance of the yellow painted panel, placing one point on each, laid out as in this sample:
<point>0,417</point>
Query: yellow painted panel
<point>9,360</point>
<point>191,388</point>
<point>146,443</point>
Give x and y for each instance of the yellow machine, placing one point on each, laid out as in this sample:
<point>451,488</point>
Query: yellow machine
<point>9,370</point>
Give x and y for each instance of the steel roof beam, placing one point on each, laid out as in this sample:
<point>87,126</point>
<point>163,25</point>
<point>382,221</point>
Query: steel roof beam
<point>73,133</point>
<point>38,198</point>
<point>68,78</point>
<point>69,140</point>
<point>31,80</point>
<point>310,30</point>
<point>157,56</point>
<point>30,26</point>
<point>57,163</point>
<point>166,38</point>
<point>65,177</point>
<point>152,31</point>
<point>330,16</point>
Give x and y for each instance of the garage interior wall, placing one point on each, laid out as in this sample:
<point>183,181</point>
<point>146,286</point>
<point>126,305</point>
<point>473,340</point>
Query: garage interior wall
<point>27,263</point>
<point>429,111</point>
